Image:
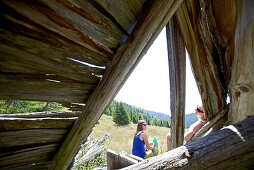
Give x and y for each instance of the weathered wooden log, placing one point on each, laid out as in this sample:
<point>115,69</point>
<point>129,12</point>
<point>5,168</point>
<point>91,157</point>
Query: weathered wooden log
<point>241,85</point>
<point>116,160</point>
<point>31,137</point>
<point>93,150</point>
<point>207,55</point>
<point>177,71</point>
<point>34,166</point>
<point>124,62</point>
<point>229,148</point>
<point>48,114</point>
<point>7,124</point>
<point>33,155</point>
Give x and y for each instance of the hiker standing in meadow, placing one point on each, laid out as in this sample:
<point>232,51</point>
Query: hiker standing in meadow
<point>140,141</point>
<point>194,128</point>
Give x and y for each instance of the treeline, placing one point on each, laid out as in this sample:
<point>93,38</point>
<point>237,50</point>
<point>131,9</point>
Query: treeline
<point>125,113</point>
<point>18,106</point>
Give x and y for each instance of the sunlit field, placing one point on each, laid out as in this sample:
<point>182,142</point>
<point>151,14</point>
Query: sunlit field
<point>122,136</point>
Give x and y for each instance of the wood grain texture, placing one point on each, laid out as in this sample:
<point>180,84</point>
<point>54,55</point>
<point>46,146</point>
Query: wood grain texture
<point>205,54</point>
<point>33,155</point>
<point>242,81</point>
<point>126,58</point>
<point>25,87</point>
<point>177,75</point>
<point>229,148</point>
<point>31,137</point>
<point>62,18</point>
<point>124,12</point>
<point>13,123</point>
<point>51,114</point>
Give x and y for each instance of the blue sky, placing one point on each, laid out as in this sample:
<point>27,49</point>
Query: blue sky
<point>148,85</point>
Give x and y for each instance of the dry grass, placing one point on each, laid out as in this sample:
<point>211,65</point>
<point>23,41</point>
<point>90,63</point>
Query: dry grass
<point>121,137</point>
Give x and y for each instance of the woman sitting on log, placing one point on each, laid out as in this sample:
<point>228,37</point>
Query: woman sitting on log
<point>194,128</point>
<point>140,141</point>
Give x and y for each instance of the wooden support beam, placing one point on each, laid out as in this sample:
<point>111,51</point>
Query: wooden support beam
<point>229,148</point>
<point>11,123</point>
<point>241,85</point>
<point>177,74</point>
<point>155,17</point>
<point>205,64</point>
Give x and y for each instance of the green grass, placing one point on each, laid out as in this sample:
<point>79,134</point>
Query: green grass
<point>121,137</point>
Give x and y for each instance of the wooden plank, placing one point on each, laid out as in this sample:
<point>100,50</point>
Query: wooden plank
<point>229,148</point>
<point>35,154</point>
<point>156,16</point>
<point>13,123</point>
<point>124,12</point>
<point>34,166</point>
<point>241,85</point>
<point>43,42</point>
<point>56,114</point>
<point>42,64</point>
<point>72,21</point>
<point>177,74</point>
<point>117,161</point>
<point>12,81</point>
<point>31,137</point>
<point>211,85</point>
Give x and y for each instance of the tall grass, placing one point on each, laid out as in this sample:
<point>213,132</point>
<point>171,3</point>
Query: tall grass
<point>121,137</point>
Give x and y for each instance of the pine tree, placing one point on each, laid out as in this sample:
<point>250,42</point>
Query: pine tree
<point>121,117</point>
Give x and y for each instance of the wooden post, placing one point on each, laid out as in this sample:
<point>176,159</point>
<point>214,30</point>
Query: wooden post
<point>241,85</point>
<point>177,70</point>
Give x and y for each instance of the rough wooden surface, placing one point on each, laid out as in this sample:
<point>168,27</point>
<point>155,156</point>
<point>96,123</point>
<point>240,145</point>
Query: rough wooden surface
<point>31,137</point>
<point>56,114</point>
<point>117,161</point>
<point>209,60</point>
<point>177,74</point>
<point>9,124</point>
<point>155,17</point>
<point>229,148</point>
<point>242,81</point>
<point>28,156</point>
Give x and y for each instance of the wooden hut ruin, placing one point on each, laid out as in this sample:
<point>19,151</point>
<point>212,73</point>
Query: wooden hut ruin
<point>80,53</point>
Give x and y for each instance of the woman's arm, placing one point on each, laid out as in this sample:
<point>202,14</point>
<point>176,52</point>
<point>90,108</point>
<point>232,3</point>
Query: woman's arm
<point>143,137</point>
<point>192,130</point>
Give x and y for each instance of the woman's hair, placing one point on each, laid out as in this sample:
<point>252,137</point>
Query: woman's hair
<point>139,127</point>
<point>202,115</point>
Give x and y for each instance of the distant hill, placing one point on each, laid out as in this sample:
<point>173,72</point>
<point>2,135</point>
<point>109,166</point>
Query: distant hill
<point>140,113</point>
<point>189,118</point>
<point>158,115</point>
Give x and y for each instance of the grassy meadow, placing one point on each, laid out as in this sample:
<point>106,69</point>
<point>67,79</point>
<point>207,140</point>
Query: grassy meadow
<point>121,137</point>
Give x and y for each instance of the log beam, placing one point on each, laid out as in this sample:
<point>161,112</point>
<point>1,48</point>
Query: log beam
<point>229,148</point>
<point>241,85</point>
<point>155,17</point>
<point>207,58</point>
<point>177,74</point>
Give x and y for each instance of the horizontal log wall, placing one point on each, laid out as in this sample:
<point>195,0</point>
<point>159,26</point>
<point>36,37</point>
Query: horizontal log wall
<point>32,137</point>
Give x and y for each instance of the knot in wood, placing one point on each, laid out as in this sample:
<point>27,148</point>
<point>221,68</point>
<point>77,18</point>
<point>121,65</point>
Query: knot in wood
<point>243,88</point>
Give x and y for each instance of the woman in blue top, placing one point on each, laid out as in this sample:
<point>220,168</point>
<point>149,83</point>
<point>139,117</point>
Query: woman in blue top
<point>140,140</point>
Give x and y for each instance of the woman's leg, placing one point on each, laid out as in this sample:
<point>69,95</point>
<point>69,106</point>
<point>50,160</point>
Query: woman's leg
<point>150,153</point>
<point>168,142</point>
